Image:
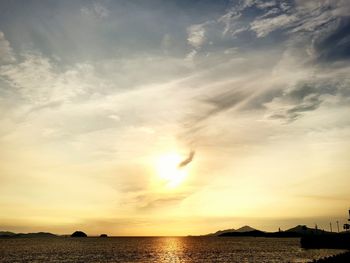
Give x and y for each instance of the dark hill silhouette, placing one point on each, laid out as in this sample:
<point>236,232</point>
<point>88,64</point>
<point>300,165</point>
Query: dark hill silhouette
<point>239,230</point>
<point>39,234</point>
<point>245,229</point>
<point>217,233</point>
<point>79,234</point>
<point>103,235</point>
<point>254,233</point>
<point>302,229</point>
<point>297,231</point>
<point>26,235</point>
<point>6,234</point>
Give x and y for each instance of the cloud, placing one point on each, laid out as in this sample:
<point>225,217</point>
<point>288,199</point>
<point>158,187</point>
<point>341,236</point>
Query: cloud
<point>150,202</point>
<point>6,53</point>
<point>239,19</point>
<point>334,45</point>
<point>166,42</point>
<point>304,97</point>
<point>95,10</point>
<point>50,105</point>
<point>321,23</point>
<point>317,22</point>
<point>231,22</point>
<point>187,160</point>
<point>196,35</point>
<point>264,26</point>
<point>39,81</point>
<point>225,101</point>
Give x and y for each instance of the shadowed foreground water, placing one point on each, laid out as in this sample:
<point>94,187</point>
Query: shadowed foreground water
<point>157,249</point>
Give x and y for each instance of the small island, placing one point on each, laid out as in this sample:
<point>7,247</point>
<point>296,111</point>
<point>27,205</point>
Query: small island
<point>103,235</point>
<point>78,234</point>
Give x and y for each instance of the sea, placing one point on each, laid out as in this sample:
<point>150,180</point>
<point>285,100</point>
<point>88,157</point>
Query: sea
<point>158,249</point>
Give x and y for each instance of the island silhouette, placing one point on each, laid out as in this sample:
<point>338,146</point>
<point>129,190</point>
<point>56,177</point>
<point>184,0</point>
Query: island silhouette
<point>78,234</point>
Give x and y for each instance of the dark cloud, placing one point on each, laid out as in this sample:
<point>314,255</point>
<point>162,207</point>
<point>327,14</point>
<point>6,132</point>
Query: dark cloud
<point>335,45</point>
<point>257,102</point>
<point>293,102</point>
<point>213,105</point>
<point>187,160</point>
<point>151,202</point>
<point>303,98</point>
<point>295,112</point>
<point>222,101</point>
<point>226,100</point>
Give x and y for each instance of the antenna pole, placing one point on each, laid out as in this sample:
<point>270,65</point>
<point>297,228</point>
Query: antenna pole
<point>338,225</point>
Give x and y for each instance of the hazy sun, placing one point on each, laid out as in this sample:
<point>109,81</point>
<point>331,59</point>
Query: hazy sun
<point>168,169</point>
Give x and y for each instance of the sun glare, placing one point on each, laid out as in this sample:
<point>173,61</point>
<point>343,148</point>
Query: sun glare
<point>169,171</point>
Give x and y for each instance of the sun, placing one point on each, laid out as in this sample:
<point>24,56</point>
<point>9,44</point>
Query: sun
<point>168,169</point>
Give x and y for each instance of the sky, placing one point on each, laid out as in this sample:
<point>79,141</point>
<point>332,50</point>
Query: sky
<point>173,117</point>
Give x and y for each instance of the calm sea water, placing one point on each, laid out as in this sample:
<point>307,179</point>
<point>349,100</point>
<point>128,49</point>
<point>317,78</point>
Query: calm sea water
<point>157,249</point>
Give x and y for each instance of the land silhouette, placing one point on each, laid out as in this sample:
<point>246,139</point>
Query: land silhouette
<point>32,235</point>
<point>310,237</point>
<point>244,231</point>
<point>297,231</point>
<point>78,234</point>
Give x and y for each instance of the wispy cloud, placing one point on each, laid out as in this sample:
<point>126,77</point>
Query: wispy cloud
<point>95,10</point>
<point>196,35</point>
<point>187,160</point>
<point>6,52</point>
<point>264,26</point>
<point>150,202</point>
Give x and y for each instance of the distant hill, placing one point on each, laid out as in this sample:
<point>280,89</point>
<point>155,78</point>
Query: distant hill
<point>242,229</point>
<point>6,233</point>
<point>217,233</point>
<point>253,233</point>
<point>245,229</point>
<point>302,229</point>
<point>39,234</point>
<point>297,231</point>
<point>78,234</point>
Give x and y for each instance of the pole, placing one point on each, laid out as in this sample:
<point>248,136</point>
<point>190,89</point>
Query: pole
<point>338,225</point>
<point>330,224</point>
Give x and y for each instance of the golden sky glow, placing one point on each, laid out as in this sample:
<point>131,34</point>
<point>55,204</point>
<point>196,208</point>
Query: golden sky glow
<point>168,170</point>
<point>100,101</point>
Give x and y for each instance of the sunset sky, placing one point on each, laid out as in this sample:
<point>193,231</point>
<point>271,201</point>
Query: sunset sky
<point>100,101</point>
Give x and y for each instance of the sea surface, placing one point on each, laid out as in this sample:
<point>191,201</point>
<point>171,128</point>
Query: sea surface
<point>158,249</point>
